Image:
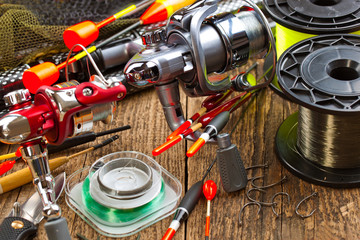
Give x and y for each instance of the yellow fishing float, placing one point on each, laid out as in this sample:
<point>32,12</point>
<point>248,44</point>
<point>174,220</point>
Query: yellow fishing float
<point>297,20</point>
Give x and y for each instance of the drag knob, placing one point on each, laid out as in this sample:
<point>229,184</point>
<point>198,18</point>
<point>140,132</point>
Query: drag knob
<point>17,97</point>
<point>155,37</point>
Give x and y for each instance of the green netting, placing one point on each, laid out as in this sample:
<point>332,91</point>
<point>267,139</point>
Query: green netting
<point>30,30</point>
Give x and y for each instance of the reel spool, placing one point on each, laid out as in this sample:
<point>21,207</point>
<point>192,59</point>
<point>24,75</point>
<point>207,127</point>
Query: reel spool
<point>123,193</point>
<point>125,178</point>
<point>318,144</point>
<point>298,20</point>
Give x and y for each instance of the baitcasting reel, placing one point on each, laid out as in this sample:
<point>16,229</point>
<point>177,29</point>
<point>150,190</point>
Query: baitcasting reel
<point>197,52</point>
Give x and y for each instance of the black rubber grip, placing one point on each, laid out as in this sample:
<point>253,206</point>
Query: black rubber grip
<point>220,121</point>
<point>231,167</point>
<point>191,197</point>
<point>17,228</point>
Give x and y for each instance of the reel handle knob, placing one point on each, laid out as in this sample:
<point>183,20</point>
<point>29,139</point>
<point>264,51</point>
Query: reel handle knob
<point>17,97</point>
<point>155,37</point>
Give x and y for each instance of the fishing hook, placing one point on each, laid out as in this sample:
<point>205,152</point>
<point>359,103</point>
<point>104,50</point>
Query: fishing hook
<point>267,186</point>
<point>273,198</point>
<point>297,207</point>
<point>265,165</point>
<point>253,200</point>
<point>247,204</point>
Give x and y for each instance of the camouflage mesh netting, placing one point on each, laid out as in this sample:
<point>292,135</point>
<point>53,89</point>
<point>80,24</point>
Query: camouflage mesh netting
<point>30,30</point>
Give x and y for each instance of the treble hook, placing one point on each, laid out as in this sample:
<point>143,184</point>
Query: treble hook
<point>273,198</point>
<point>253,200</point>
<point>297,207</point>
<point>247,204</point>
<point>267,186</point>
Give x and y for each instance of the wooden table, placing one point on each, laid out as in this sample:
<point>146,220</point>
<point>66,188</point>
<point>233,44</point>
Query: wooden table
<point>336,217</point>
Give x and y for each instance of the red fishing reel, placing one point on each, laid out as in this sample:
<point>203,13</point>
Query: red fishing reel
<point>60,111</point>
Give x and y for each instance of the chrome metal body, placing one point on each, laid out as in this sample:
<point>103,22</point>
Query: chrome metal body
<point>31,209</point>
<point>14,128</point>
<point>36,157</point>
<point>64,99</point>
<point>198,54</point>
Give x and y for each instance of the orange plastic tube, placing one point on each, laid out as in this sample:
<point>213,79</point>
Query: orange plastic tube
<point>195,147</point>
<point>43,74</point>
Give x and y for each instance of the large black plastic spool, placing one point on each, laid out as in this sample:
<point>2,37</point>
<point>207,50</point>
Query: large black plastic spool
<point>313,17</point>
<point>322,74</point>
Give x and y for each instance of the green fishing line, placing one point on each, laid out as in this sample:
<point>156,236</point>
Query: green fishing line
<point>120,216</point>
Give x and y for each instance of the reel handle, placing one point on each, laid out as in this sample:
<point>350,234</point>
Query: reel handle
<point>89,94</point>
<point>169,97</point>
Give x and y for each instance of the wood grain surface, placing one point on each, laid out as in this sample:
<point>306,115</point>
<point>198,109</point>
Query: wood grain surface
<point>337,210</point>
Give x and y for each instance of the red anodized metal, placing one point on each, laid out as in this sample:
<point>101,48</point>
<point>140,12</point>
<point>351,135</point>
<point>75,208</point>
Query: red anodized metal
<point>64,128</point>
<point>99,95</point>
<point>209,190</point>
<point>44,117</point>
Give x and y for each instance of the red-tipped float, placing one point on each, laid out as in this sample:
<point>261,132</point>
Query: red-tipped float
<point>86,32</point>
<point>180,129</point>
<point>196,146</point>
<point>161,10</point>
<point>211,130</point>
<point>209,190</point>
<point>6,166</point>
<point>157,151</point>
